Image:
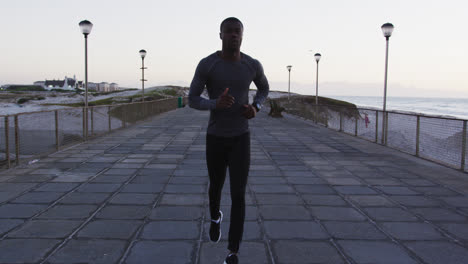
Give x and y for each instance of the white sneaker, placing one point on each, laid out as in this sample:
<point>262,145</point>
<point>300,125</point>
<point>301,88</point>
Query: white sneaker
<point>215,228</point>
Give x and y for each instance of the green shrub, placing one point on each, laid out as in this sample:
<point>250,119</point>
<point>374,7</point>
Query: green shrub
<point>22,100</point>
<point>25,88</point>
<point>170,92</point>
<point>61,90</point>
<point>275,109</point>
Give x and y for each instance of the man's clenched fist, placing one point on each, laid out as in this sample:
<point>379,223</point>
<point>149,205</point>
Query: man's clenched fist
<point>249,111</point>
<point>225,100</point>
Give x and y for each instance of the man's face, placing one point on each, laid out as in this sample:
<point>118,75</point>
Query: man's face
<point>231,34</point>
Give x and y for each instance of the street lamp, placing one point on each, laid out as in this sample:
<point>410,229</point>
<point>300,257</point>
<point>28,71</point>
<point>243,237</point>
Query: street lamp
<point>317,59</point>
<point>86,27</point>
<point>387,30</point>
<point>289,80</point>
<point>143,54</point>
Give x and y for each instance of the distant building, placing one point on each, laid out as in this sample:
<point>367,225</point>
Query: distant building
<point>93,86</point>
<point>113,87</point>
<point>72,84</point>
<point>65,84</point>
<point>103,87</point>
<point>40,83</point>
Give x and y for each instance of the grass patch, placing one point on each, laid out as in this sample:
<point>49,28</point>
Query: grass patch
<point>112,92</point>
<point>62,91</point>
<point>19,88</point>
<point>170,92</point>
<point>22,100</point>
<point>26,99</point>
<point>149,96</point>
<point>107,101</point>
<point>304,106</point>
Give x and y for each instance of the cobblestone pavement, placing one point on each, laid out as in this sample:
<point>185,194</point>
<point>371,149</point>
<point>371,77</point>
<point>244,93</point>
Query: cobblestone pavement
<point>139,195</point>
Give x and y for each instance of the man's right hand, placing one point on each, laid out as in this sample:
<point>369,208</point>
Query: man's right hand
<point>225,100</point>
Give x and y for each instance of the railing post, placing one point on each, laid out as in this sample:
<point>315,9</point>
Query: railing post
<point>463,147</point>
<point>341,120</point>
<point>17,139</point>
<point>7,143</point>
<point>84,125</point>
<point>57,143</point>
<point>418,130</point>
<point>376,126</point>
<point>355,126</point>
<point>386,128</point>
<point>92,120</point>
<point>383,128</point>
<point>316,114</point>
<point>108,114</point>
<point>124,116</point>
<point>326,116</point>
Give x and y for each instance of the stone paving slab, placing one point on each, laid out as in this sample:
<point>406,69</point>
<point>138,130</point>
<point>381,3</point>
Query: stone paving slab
<point>45,229</point>
<point>139,195</point>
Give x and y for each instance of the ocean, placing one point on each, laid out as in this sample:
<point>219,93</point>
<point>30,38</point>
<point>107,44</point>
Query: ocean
<point>454,107</point>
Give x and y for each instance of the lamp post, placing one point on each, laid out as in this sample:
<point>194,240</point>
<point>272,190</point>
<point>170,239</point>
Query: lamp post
<point>143,54</point>
<point>289,80</point>
<point>86,27</point>
<point>317,59</point>
<point>387,30</point>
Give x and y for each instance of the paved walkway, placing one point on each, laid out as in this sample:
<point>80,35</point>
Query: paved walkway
<point>314,196</point>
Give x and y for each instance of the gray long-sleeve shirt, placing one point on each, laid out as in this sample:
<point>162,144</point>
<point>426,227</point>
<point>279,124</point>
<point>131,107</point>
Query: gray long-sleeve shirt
<point>217,75</point>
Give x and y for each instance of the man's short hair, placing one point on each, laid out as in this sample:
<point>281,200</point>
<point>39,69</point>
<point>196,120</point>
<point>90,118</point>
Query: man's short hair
<point>233,19</point>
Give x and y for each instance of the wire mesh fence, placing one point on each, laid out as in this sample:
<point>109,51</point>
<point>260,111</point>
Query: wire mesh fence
<point>7,144</point>
<point>348,124</point>
<point>69,126</point>
<point>401,132</point>
<point>439,139</point>
<point>367,124</point>
<point>27,135</point>
<point>334,120</point>
<point>443,140</point>
<point>36,132</point>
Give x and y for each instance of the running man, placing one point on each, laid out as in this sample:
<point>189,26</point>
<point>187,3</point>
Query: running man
<point>227,75</point>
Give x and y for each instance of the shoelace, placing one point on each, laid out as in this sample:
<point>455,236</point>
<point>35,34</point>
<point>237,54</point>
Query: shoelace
<point>216,221</point>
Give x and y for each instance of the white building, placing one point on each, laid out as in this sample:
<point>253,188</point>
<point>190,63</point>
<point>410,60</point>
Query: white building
<point>40,83</point>
<point>92,86</point>
<point>113,87</point>
<point>65,84</point>
<point>103,87</point>
<point>72,84</point>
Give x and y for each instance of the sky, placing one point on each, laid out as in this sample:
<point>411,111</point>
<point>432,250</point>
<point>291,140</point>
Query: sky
<point>428,54</point>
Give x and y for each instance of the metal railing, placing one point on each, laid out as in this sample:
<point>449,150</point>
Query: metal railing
<point>25,136</point>
<point>439,139</point>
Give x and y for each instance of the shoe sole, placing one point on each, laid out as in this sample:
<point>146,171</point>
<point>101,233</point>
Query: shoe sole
<point>225,262</point>
<point>219,238</point>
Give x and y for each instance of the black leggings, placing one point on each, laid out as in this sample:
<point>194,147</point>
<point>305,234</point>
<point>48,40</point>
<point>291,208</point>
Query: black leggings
<point>232,152</point>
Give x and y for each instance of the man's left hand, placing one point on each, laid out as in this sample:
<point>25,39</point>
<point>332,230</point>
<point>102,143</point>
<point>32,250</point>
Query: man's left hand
<point>249,111</point>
